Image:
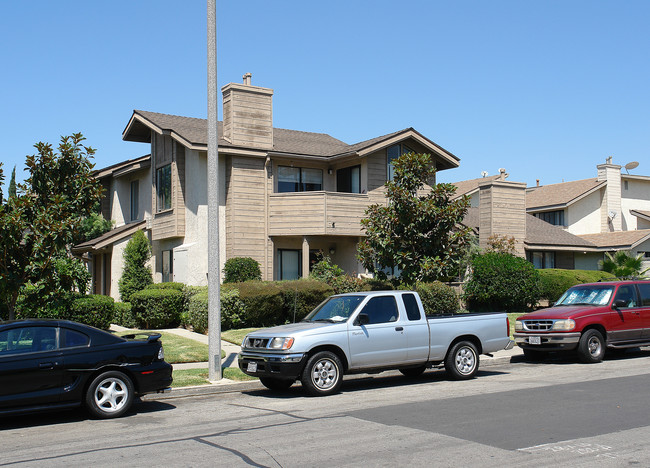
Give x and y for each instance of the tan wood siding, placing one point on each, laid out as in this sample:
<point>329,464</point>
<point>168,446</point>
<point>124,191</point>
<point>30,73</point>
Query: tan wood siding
<point>316,213</point>
<point>245,208</point>
<point>169,223</point>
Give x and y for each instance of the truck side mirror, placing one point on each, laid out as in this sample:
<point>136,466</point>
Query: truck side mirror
<point>618,303</point>
<point>362,319</point>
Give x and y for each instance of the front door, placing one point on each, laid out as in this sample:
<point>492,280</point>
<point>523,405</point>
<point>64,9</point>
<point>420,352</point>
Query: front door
<point>627,323</point>
<point>382,341</point>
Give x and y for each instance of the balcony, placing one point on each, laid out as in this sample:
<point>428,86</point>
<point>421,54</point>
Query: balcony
<point>316,213</point>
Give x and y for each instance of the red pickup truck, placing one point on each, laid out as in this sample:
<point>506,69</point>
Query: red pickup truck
<point>589,318</point>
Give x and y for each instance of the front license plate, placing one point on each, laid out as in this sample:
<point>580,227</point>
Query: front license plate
<point>252,367</point>
<point>531,340</point>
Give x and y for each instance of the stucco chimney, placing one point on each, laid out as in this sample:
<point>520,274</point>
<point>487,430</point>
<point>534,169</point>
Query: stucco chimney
<point>610,209</point>
<point>502,211</point>
<point>248,114</point>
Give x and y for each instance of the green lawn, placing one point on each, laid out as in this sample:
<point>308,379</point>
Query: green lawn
<point>236,336</point>
<point>177,348</point>
<point>512,317</point>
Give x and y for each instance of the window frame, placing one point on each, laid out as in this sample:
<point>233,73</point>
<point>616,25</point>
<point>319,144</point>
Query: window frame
<point>164,197</point>
<point>167,277</point>
<point>135,199</point>
<point>301,184</point>
<point>402,149</point>
<point>347,174</point>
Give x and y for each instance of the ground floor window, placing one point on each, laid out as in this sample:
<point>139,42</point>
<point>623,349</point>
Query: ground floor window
<point>289,264</point>
<point>167,266</point>
<point>542,260</point>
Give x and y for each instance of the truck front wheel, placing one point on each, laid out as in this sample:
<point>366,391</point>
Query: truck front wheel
<point>591,348</point>
<point>322,374</point>
<point>461,362</point>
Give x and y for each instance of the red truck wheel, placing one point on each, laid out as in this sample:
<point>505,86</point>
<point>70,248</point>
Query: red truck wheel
<point>591,348</point>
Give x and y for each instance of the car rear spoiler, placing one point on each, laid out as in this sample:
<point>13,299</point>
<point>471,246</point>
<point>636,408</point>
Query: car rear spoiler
<point>151,337</point>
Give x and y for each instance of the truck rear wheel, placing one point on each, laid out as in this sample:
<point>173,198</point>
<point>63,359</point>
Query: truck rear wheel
<point>323,374</point>
<point>462,360</point>
<point>591,348</point>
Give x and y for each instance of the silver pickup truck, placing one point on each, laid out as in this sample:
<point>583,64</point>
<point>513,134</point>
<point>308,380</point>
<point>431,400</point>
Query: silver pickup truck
<point>370,332</point>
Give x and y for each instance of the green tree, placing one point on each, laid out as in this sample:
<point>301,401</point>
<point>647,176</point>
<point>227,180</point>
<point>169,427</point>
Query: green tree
<point>418,233</point>
<point>623,265</point>
<point>40,223</point>
<point>136,275</point>
<point>12,183</point>
<point>93,226</point>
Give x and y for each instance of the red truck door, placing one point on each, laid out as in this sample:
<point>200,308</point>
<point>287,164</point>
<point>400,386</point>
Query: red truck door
<point>627,321</point>
<point>644,301</point>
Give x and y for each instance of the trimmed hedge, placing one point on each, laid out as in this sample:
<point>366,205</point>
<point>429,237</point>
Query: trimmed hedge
<point>300,297</point>
<point>123,315</point>
<point>264,303</point>
<point>157,308</point>
<point>168,285</point>
<point>554,282</point>
<point>501,282</point>
<point>239,269</point>
<point>94,310</point>
<point>438,298</point>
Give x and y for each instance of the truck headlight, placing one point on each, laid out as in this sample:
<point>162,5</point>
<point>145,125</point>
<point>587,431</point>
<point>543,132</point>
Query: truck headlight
<point>518,325</point>
<point>567,324</point>
<point>281,343</point>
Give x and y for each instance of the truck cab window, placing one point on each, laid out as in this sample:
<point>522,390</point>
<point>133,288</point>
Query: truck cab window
<point>381,309</point>
<point>411,304</point>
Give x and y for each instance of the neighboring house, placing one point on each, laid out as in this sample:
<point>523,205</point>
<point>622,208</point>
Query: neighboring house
<point>582,219</point>
<point>284,195</point>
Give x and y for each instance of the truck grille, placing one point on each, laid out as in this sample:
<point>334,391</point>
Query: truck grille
<point>538,325</point>
<point>257,343</point>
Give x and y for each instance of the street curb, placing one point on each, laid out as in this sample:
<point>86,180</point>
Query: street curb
<point>230,386</point>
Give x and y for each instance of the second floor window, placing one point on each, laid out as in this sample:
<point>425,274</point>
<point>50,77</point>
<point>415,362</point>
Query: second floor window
<point>164,187</point>
<point>556,218</point>
<point>392,153</point>
<point>299,179</point>
<point>135,196</point>
<point>348,179</point>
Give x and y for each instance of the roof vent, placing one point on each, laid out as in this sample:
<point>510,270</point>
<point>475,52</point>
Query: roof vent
<point>247,78</point>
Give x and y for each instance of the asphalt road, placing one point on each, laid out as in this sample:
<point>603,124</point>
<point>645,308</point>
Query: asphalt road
<point>553,413</point>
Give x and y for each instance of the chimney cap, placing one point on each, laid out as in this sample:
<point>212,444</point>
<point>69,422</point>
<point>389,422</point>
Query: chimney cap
<point>247,78</point>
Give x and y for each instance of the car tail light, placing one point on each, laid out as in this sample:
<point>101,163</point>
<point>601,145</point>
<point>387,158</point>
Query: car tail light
<point>161,353</point>
<point>507,326</point>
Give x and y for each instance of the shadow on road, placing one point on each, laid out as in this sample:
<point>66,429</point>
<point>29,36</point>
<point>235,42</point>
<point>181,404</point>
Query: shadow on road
<point>65,416</point>
<point>362,382</point>
<point>570,357</point>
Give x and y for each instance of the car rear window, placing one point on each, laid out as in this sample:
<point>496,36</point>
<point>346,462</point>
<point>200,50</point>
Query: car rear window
<point>73,339</point>
<point>644,289</point>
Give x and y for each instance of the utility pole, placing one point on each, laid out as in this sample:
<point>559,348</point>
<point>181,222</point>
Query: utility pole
<point>214,282</point>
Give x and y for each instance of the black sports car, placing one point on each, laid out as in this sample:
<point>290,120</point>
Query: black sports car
<point>46,364</point>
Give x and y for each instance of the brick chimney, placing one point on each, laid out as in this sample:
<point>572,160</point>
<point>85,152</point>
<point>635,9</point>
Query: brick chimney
<point>610,210</point>
<point>502,211</point>
<point>248,114</point>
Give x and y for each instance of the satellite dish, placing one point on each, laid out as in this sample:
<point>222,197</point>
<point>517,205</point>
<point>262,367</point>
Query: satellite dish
<point>631,165</point>
<point>612,214</point>
<point>484,173</point>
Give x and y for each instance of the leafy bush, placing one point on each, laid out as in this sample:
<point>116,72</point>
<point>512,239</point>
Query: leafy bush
<point>264,303</point>
<point>346,283</point>
<point>324,270</point>
<point>94,310</point>
<point>157,308</point>
<point>136,275</point>
<point>438,298</point>
<point>197,313</point>
<point>554,282</point>
<point>300,297</point>
<point>233,310</point>
<point>239,269</point>
<point>36,302</point>
<point>123,315</point>
<point>374,284</point>
<point>501,282</point>
<point>168,285</point>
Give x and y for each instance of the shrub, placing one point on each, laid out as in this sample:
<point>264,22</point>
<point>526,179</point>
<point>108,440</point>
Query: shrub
<point>438,298</point>
<point>197,312</point>
<point>233,310</point>
<point>136,275</point>
<point>34,302</point>
<point>123,315</point>
<point>168,285</point>
<point>324,270</point>
<point>264,303</point>
<point>346,283</point>
<point>300,297</point>
<point>94,310</point>
<point>239,269</point>
<point>374,284</point>
<point>157,308</point>
<point>554,282</point>
<point>501,282</point>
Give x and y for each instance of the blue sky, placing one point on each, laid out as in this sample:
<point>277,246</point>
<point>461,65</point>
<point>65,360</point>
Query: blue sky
<point>546,89</point>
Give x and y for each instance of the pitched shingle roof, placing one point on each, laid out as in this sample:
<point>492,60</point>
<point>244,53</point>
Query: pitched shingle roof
<point>195,132</point>
<point>468,186</point>
<point>538,232</point>
<point>560,194</point>
<point>618,239</point>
